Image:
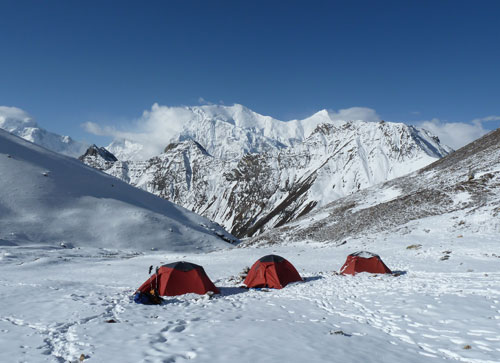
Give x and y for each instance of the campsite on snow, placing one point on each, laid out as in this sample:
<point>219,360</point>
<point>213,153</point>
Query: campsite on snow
<point>249,181</point>
<point>92,268</point>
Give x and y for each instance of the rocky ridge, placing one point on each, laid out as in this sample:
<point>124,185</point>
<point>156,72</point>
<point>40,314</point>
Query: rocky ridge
<point>264,182</point>
<point>464,187</point>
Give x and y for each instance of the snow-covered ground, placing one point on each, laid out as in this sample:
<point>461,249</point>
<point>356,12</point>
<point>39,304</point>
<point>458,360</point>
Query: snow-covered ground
<point>58,304</point>
<point>48,198</point>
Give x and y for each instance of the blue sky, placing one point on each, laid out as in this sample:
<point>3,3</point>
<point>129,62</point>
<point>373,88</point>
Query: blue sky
<point>69,62</point>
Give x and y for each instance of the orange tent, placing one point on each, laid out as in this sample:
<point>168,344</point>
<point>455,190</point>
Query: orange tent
<point>272,271</point>
<point>364,262</point>
<point>179,278</point>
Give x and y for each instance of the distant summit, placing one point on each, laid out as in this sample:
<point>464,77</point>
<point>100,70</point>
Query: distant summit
<point>94,150</point>
<point>19,123</point>
<point>226,132</point>
<point>98,157</point>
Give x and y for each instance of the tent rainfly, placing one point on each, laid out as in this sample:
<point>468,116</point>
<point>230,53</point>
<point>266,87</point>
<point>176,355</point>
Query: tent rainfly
<point>364,261</point>
<point>178,278</point>
<point>271,271</point>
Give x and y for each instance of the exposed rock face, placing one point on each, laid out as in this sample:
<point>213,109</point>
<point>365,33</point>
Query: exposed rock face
<point>98,157</point>
<point>465,185</point>
<point>265,185</point>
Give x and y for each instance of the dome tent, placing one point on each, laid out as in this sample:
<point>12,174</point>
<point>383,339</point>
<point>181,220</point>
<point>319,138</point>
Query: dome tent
<point>271,271</point>
<point>178,278</point>
<point>364,261</point>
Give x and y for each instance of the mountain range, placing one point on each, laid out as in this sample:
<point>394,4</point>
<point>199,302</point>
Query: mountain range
<point>458,193</point>
<point>250,172</point>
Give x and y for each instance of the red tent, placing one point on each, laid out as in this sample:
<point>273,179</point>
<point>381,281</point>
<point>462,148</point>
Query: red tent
<point>179,278</point>
<point>364,262</point>
<point>272,271</point>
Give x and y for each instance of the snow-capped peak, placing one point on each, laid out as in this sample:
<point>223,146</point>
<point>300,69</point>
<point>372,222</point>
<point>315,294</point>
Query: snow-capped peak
<point>271,173</point>
<point>227,132</point>
<point>19,123</point>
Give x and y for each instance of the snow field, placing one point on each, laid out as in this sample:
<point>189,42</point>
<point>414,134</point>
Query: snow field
<point>58,302</point>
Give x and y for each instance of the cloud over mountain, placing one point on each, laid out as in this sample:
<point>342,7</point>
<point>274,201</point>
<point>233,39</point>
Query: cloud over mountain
<point>457,134</point>
<point>20,123</point>
<point>355,113</point>
<point>161,124</point>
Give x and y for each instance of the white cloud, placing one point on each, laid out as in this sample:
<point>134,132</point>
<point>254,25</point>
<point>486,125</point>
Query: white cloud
<point>486,119</point>
<point>153,130</point>
<point>95,129</point>
<point>457,134</point>
<point>165,120</point>
<point>203,101</point>
<point>355,113</point>
<point>158,126</point>
<point>13,112</point>
<point>13,117</point>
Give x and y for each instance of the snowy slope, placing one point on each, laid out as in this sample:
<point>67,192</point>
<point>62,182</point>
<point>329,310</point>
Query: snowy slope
<point>21,124</point>
<point>463,186</point>
<point>252,190</point>
<point>48,198</point>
